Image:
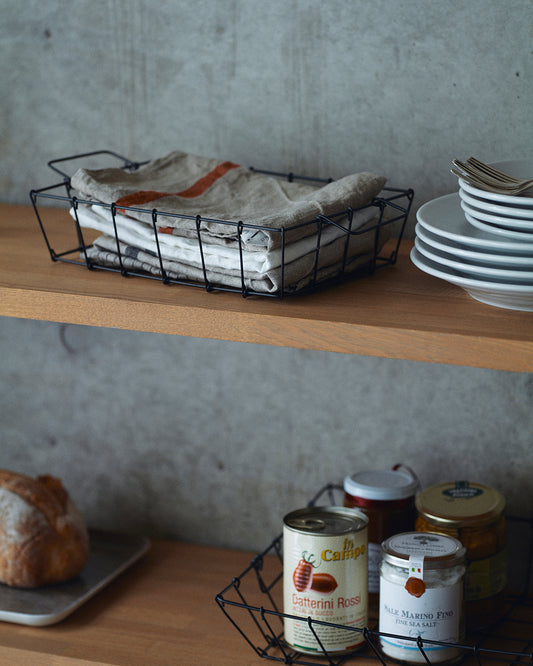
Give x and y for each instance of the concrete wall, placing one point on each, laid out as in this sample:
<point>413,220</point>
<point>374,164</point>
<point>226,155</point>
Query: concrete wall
<point>214,441</point>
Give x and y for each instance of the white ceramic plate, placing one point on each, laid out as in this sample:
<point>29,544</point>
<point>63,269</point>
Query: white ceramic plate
<point>482,271</point>
<point>525,236</point>
<point>463,252</point>
<point>518,224</point>
<point>445,218</point>
<point>499,294</point>
<point>512,212</point>
<point>516,168</point>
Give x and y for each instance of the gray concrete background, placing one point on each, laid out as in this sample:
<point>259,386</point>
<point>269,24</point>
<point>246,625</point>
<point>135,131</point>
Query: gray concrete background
<point>212,441</point>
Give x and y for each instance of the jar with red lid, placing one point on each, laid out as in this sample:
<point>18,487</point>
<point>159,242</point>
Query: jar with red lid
<point>387,497</point>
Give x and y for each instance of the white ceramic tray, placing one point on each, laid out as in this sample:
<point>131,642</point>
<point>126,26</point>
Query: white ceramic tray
<point>445,218</point>
<point>492,292</point>
<point>472,254</point>
<point>513,212</point>
<point>477,270</point>
<point>498,229</point>
<point>110,555</point>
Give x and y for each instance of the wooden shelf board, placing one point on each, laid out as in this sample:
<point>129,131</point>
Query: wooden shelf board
<point>400,312</point>
<point>161,611</point>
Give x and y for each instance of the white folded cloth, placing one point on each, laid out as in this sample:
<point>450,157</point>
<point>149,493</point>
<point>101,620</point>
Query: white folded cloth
<point>228,257</point>
<point>188,185</point>
<point>296,275</point>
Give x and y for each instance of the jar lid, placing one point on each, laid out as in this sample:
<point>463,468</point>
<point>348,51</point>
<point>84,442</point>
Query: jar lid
<point>439,551</point>
<point>460,504</point>
<point>384,485</point>
<point>325,520</point>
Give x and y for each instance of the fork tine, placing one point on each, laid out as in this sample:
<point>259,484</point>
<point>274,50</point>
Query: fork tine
<point>524,186</point>
<point>471,181</point>
<point>491,171</point>
<point>481,176</point>
<point>482,181</point>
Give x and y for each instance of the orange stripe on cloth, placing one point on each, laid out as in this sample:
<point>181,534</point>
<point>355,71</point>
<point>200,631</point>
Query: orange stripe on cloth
<point>195,190</point>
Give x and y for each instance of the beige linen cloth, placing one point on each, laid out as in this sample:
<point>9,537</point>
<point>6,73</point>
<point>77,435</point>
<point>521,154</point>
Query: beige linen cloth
<point>242,211</point>
<point>185,184</point>
<point>297,274</point>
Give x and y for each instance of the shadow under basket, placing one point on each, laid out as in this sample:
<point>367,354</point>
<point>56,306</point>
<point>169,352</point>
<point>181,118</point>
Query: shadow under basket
<point>253,603</point>
<point>336,248</point>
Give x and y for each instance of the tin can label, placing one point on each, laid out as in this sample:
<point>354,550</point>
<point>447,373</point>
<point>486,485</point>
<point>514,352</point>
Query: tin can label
<point>325,581</point>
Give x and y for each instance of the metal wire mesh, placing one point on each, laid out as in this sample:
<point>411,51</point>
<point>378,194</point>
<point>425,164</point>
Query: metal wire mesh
<point>253,603</point>
<point>391,211</point>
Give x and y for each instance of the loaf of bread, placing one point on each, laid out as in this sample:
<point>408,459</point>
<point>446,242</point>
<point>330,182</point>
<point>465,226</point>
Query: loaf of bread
<point>43,537</point>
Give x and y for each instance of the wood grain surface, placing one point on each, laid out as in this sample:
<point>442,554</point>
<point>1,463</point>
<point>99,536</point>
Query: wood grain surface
<point>400,312</point>
<point>161,611</point>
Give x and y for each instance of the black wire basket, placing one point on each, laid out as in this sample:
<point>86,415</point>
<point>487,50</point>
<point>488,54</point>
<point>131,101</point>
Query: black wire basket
<point>253,603</point>
<point>380,239</point>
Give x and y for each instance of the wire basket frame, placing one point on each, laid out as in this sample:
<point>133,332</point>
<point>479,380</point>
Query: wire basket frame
<point>390,214</point>
<point>253,603</point>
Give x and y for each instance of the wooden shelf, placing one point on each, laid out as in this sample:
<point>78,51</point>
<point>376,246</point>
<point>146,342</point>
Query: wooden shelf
<point>400,312</point>
<point>161,611</point>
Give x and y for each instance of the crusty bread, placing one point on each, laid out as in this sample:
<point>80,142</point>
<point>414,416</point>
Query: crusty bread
<point>43,537</point>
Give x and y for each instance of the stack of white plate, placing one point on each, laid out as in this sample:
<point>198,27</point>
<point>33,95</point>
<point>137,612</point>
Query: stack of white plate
<point>481,241</point>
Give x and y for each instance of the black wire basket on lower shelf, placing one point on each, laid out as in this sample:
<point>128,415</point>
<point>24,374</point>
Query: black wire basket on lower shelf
<point>353,243</point>
<point>253,603</point>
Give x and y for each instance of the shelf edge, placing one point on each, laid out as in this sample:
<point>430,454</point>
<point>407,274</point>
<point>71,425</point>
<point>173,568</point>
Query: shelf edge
<point>293,332</point>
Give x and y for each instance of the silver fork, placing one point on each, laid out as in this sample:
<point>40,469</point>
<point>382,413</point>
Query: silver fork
<point>472,181</point>
<point>491,171</point>
<point>480,175</point>
<point>494,183</point>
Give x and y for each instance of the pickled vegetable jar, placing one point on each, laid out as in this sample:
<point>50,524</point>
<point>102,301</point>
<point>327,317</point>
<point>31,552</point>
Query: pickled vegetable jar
<point>472,513</point>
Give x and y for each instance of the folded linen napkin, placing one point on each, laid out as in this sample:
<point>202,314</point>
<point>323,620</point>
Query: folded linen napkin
<point>297,274</point>
<point>224,194</point>
<point>138,234</point>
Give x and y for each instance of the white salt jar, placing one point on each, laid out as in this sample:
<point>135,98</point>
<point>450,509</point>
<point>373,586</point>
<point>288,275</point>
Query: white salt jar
<point>421,597</point>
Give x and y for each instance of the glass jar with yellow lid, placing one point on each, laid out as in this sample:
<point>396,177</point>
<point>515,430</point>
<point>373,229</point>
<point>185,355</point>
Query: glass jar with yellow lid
<point>474,514</point>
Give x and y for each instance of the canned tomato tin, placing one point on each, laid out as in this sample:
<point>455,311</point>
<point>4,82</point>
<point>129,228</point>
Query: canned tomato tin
<point>325,578</point>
